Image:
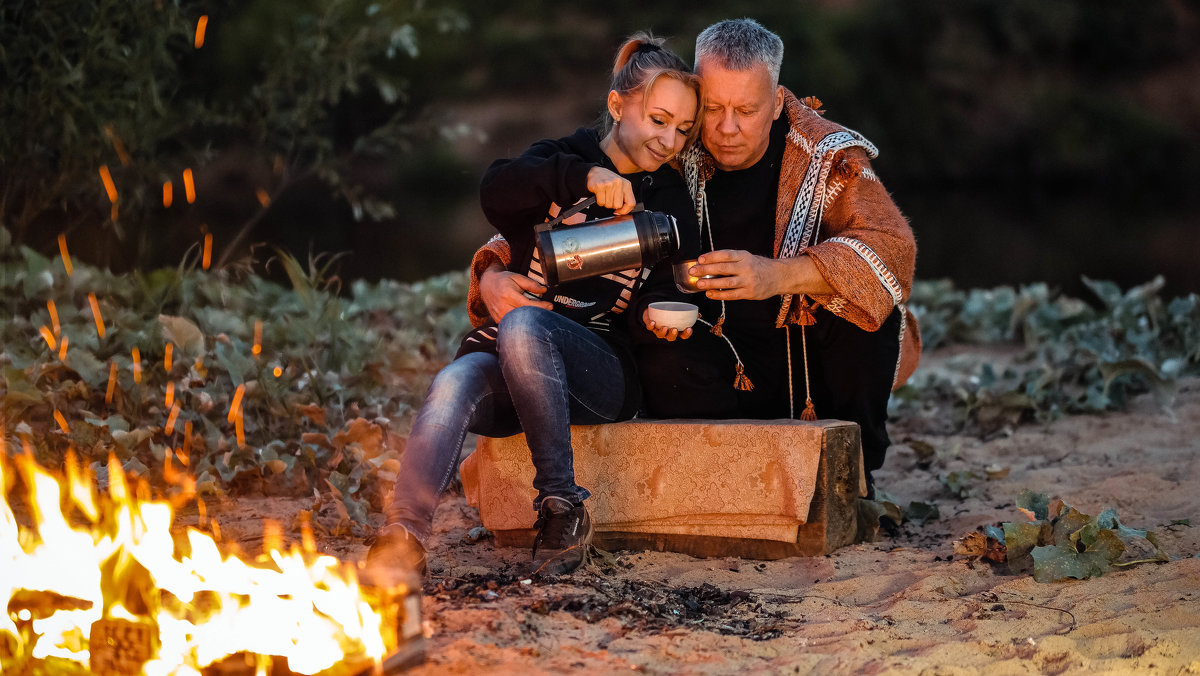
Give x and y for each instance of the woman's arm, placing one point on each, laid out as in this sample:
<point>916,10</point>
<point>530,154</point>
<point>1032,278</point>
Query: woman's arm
<point>516,193</point>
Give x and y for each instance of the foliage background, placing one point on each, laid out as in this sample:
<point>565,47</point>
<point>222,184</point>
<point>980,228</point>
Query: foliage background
<point>1063,135</point>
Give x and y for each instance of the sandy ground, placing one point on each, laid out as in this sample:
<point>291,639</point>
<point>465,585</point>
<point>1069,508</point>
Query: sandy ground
<point>902,604</point>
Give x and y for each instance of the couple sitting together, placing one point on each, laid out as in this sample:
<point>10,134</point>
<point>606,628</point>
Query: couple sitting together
<point>810,264</point>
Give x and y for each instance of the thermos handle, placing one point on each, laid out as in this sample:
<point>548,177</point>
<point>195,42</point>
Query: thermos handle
<point>562,216</point>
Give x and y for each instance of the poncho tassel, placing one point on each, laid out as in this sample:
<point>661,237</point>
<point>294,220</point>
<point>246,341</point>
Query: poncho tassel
<point>742,381</point>
<point>804,315</point>
<point>717,329</point>
<point>809,412</point>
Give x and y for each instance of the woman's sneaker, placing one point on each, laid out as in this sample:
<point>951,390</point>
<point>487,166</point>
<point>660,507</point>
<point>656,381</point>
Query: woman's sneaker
<point>395,547</point>
<point>564,531</point>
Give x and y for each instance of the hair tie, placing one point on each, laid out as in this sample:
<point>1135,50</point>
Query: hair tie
<point>647,47</point>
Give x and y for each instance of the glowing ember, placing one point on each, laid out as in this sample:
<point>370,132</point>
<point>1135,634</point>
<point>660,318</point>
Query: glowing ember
<point>66,259</point>
<point>168,194</point>
<point>54,311</point>
<point>100,583</point>
<point>189,188</point>
<point>96,314</point>
<point>137,365</point>
<point>201,24</point>
<point>48,336</point>
<point>109,186</point>
<point>167,354</point>
<point>112,382</point>
<point>117,145</point>
<point>62,422</point>
<point>62,349</point>
<point>207,250</point>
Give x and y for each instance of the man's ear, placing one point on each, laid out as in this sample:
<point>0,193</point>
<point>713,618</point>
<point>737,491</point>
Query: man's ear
<point>615,104</point>
<point>778,101</point>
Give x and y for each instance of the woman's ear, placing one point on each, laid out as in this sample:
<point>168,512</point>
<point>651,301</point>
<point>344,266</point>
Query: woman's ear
<point>615,105</point>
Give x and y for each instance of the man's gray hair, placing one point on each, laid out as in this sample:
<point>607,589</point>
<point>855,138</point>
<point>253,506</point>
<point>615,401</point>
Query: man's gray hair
<point>741,44</point>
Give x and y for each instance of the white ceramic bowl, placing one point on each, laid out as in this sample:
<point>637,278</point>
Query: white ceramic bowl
<point>679,316</point>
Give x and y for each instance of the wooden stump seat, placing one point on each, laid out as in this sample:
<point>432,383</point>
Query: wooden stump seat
<point>761,489</point>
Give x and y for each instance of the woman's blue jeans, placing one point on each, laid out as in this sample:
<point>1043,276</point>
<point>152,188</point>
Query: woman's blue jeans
<point>550,373</point>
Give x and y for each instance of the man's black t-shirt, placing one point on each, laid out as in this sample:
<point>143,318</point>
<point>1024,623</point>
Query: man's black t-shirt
<point>741,207</point>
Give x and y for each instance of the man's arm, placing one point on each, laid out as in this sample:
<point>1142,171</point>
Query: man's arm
<point>862,268</point>
<point>745,276</point>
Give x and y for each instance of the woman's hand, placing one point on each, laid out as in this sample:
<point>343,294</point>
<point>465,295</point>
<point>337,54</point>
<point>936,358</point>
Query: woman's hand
<point>664,332</point>
<point>611,190</point>
<point>503,291</point>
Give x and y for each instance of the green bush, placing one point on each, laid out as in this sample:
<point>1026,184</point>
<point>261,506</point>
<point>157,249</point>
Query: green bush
<point>123,85</point>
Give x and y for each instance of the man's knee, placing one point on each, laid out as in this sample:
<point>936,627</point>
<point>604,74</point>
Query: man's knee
<point>686,381</point>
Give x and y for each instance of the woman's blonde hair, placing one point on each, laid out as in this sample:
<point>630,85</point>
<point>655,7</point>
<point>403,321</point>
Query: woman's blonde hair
<point>640,61</point>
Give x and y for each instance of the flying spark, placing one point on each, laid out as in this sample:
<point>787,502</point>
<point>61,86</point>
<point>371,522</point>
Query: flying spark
<point>189,186</point>
<point>201,25</point>
<point>96,314</point>
<point>112,382</point>
<point>66,256</point>
<point>207,251</point>
<point>109,186</point>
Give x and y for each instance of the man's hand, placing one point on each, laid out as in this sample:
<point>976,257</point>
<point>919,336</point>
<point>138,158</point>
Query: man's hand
<point>503,290</point>
<point>611,190</point>
<point>741,275</point>
<point>664,332</point>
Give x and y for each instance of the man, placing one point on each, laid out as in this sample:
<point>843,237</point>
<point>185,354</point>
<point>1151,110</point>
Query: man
<point>809,258</point>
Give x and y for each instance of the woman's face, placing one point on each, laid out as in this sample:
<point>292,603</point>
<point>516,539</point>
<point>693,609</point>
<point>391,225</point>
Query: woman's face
<point>652,125</point>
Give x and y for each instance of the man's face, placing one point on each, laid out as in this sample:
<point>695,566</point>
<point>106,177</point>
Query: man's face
<point>739,107</point>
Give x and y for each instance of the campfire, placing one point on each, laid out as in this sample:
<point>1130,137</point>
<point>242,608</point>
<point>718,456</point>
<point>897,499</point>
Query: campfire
<point>97,582</point>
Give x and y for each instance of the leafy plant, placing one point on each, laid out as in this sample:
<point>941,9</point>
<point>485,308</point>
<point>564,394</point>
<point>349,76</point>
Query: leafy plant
<point>1058,542</point>
<point>324,385</point>
<point>1071,357</point>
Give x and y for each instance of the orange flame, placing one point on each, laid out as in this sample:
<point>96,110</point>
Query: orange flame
<point>96,314</point>
<point>137,365</point>
<point>66,257</point>
<point>109,186</point>
<point>195,603</point>
<point>201,24</point>
<point>189,187</point>
<point>168,194</point>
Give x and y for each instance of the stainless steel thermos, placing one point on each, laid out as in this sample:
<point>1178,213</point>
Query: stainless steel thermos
<point>605,245</point>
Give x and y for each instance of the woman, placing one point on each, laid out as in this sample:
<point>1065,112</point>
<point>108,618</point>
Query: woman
<point>565,359</point>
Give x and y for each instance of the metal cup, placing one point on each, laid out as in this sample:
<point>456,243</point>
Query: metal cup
<point>684,280</point>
